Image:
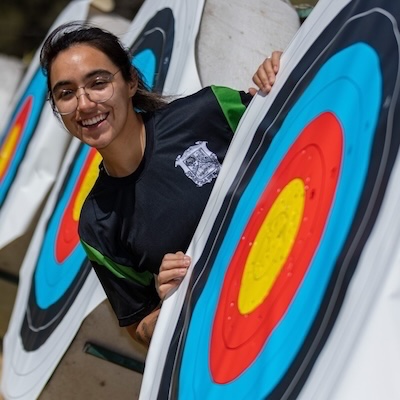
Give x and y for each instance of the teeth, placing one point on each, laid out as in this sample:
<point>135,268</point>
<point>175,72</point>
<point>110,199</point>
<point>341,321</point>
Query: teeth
<point>94,120</point>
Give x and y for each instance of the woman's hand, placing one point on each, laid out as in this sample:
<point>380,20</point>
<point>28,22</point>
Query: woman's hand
<point>172,270</point>
<point>265,75</point>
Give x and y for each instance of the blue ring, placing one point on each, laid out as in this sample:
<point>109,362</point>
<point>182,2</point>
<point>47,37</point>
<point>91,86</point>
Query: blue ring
<point>53,279</point>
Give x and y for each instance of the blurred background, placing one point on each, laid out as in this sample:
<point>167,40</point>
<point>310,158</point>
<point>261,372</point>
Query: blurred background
<point>24,23</point>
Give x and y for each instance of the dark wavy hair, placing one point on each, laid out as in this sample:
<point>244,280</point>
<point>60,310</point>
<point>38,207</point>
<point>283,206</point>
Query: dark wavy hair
<point>73,33</point>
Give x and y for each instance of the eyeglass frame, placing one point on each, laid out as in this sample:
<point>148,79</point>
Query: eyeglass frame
<point>53,102</point>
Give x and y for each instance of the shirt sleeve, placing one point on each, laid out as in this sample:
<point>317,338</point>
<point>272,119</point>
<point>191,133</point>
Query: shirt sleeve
<point>233,104</point>
<point>132,294</point>
<point>128,308</point>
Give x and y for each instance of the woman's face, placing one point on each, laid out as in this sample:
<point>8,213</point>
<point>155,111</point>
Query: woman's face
<point>96,124</point>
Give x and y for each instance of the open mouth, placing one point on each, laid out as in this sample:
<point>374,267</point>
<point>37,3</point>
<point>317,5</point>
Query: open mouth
<point>90,122</point>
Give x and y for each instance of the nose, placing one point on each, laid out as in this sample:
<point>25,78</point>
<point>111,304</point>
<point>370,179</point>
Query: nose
<point>84,101</point>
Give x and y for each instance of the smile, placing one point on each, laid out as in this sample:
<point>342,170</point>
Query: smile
<point>95,120</point>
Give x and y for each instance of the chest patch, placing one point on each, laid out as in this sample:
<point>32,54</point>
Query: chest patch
<point>199,164</point>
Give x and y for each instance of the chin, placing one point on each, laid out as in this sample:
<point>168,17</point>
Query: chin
<point>97,143</point>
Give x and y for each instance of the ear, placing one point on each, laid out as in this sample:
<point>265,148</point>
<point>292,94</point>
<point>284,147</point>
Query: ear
<point>133,84</point>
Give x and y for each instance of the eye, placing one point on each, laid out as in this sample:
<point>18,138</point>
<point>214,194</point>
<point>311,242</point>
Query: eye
<point>64,94</point>
<point>99,83</point>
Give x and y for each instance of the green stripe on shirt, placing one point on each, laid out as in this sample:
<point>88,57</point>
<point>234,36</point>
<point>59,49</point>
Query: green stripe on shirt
<point>120,271</point>
<point>231,104</point>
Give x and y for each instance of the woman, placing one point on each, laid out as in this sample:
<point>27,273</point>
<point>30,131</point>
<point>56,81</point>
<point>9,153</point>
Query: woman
<point>160,161</point>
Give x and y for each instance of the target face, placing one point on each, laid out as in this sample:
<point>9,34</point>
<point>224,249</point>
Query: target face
<point>234,364</point>
<point>293,223</point>
<point>19,132</point>
<point>153,49</point>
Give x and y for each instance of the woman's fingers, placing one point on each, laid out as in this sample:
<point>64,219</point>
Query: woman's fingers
<point>174,260</point>
<point>265,75</point>
<point>275,60</point>
<point>172,270</point>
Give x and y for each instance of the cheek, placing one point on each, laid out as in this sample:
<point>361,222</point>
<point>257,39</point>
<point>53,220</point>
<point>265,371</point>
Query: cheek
<point>123,97</point>
<point>71,126</point>
<point>122,109</point>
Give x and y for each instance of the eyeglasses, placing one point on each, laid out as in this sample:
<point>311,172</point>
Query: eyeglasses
<point>98,90</point>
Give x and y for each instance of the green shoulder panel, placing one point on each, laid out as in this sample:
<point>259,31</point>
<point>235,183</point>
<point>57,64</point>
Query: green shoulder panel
<point>231,104</point>
<point>120,271</point>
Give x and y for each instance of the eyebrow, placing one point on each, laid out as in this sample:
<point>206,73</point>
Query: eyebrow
<point>87,76</point>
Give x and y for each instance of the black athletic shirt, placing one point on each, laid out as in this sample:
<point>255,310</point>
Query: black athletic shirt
<point>128,224</point>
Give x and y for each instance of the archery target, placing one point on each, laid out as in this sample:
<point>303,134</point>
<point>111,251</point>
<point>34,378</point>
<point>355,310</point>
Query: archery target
<point>298,208</point>
<point>152,51</point>
<point>303,275</point>
<point>20,131</point>
<point>61,267</point>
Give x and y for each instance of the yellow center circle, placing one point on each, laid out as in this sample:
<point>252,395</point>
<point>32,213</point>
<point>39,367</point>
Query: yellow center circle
<point>87,184</point>
<point>272,246</point>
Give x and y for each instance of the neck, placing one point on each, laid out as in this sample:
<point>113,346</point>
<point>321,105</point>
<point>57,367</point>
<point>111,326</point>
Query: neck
<point>124,159</point>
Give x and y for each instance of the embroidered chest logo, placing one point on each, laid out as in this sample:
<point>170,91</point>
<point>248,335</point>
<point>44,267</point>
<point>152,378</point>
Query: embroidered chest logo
<point>199,163</point>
